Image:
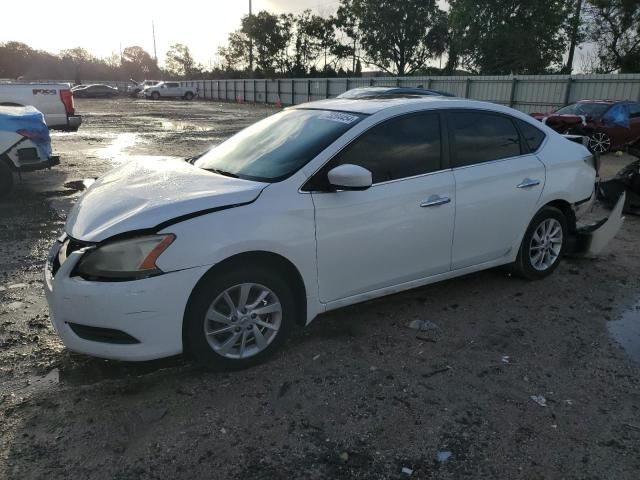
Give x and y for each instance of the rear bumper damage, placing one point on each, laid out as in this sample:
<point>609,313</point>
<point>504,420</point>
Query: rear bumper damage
<point>590,239</point>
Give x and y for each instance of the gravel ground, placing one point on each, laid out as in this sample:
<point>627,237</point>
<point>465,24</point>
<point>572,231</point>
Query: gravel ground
<point>357,394</point>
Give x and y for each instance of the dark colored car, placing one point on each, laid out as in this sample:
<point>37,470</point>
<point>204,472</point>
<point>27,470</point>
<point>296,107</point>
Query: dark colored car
<point>609,124</point>
<point>377,92</point>
<point>95,91</point>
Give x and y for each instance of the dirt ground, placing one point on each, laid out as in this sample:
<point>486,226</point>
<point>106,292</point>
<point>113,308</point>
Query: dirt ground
<point>357,394</point>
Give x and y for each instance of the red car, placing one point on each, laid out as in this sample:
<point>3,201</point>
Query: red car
<point>609,124</point>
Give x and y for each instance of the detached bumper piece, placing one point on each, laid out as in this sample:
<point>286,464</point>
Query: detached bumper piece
<point>626,180</point>
<point>591,239</point>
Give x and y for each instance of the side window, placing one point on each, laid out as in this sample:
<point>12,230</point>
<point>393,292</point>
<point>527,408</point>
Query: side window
<point>398,148</point>
<point>532,135</point>
<point>482,137</point>
<point>634,110</point>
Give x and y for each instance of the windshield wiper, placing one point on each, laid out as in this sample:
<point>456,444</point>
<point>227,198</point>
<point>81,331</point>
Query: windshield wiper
<point>221,172</point>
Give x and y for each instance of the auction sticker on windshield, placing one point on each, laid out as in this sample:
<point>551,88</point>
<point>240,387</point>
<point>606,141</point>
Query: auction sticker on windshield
<point>338,117</point>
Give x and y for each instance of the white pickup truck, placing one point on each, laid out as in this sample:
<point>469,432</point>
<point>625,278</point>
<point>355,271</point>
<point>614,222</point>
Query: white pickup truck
<point>169,90</point>
<point>54,100</point>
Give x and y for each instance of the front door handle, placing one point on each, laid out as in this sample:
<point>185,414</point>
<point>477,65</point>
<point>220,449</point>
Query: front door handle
<point>528,183</point>
<point>434,201</point>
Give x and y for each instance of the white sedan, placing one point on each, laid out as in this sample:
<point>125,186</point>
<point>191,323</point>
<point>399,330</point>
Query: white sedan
<point>317,207</point>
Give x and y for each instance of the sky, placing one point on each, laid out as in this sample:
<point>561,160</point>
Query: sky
<point>103,26</point>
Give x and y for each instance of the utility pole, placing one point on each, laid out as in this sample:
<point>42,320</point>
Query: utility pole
<point>155,53</point>
<point>574,32</point>
<point>250,41</point>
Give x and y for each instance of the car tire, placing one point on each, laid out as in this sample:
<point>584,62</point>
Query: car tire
<point>155,96</point>
<point>6,180</point>
<point>241,341</point>
<point>599,142</point>
<point>543,245</point>
<point>188,96</point>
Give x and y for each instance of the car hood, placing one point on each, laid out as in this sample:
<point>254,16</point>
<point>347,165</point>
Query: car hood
<point>143,195</point>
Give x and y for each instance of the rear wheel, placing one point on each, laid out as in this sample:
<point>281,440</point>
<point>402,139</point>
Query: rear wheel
<point>188,96</point>
<point>6,180</point>
<point>599,142</point>
<point>543,245</point>
<point>238,318</point>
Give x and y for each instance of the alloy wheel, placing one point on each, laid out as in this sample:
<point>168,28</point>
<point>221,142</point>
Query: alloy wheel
<point>243,320</point>
<point>599,142</point>
<point>546,244</point>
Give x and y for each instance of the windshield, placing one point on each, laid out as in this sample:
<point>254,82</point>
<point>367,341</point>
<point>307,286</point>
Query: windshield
<point>594,110</point>
<point>278,146</point>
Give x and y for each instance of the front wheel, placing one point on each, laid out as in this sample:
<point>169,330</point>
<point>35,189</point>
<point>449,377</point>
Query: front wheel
<point>155,96</point>
<point>238,318</point>
<point>599,142</point>
<point>543,245</point>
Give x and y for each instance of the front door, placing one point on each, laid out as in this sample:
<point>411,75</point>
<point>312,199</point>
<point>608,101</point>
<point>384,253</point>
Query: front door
<point>398,230</point>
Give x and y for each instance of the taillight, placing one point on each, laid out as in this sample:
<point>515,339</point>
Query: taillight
<point>67,99</point>
<point>35,136</point>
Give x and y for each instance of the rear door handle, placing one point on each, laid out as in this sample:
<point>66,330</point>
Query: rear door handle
<point>434,201</point>
<point>528,183</point>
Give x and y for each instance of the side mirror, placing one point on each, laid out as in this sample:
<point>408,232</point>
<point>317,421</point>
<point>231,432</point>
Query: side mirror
<point>350,177</point>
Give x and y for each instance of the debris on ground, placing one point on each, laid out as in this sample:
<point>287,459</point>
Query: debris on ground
<point>540,400</point>
<point>407,471</point>
<point>344,457</point>
<point>436,371</point>
<point>442,457</point>
<point>505,359</point>
<point>427,330</point>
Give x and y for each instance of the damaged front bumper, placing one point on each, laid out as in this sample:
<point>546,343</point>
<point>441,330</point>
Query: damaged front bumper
<point>590,239</point>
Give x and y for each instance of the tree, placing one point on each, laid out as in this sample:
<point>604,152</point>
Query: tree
<point>179,61</point>
<point>347,22</point>
<point>270,34</point>
<point>398,37</point>
<point>508,36</point>
<point>15,58</point>
<point>137,63</point>
<point>235,55</point>
<point>615,28</point>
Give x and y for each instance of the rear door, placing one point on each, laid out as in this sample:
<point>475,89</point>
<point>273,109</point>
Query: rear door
<point>498,184</point>
<point>398,230</point>
<point>173,89</point>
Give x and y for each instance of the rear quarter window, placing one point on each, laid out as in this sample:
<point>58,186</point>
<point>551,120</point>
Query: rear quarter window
<point>533,136</point>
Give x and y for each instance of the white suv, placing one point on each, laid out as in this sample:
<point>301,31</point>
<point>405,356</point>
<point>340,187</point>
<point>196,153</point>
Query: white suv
<point>317,207</point>
<point>169,90</point>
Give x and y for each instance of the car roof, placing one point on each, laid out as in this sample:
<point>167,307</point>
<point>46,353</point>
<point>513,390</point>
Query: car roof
<point>370,106</point>
<point>606,102</point>
<point>368,92</point>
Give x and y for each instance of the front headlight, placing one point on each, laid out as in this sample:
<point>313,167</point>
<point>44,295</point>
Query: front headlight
<point>130,259</point>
